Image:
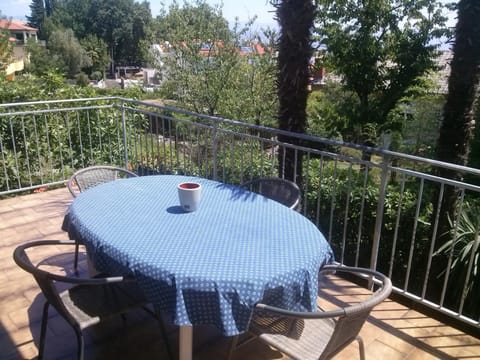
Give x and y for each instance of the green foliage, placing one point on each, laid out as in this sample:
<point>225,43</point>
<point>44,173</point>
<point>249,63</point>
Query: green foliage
<point>45,147</point>
<point>464,250</point>
<point>329,111</point>
<point>35,147</point>
<point>72,56</point>
<point>63,54</point>
<point>346,201</point>
<point>52,85</point>
<point>37,15</point>
<point>110,30</point>
<point>96,75</point>
<point>233,156</point>
<point>72,14</point>
<point>41,61</point>
<point>411,127</point>
<point>194,20</point>
<point>122,24</point>
<point>205,71</point>
<point>203,54</point>
<point>82,79</point>
<point>418,122</point>
<point>380,49</point>
<point>97,51</point>
<point>474,159</point>
<point>250,93</point>
<point>6,49</point>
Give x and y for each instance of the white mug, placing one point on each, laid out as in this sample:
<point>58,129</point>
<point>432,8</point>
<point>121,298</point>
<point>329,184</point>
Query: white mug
<point>189,194</point>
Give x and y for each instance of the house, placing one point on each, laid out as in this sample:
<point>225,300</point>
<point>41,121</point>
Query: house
<point>20,34</point>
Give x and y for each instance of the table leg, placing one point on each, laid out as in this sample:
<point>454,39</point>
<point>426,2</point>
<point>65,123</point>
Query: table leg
<point>186,339</point>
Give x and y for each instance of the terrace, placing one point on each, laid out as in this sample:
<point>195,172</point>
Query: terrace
<point>350,199</point>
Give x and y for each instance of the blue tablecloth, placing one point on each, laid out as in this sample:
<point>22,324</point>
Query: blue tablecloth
<point>206,267</point>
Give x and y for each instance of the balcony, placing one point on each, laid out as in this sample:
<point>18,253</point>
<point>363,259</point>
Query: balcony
<point>373,212</point>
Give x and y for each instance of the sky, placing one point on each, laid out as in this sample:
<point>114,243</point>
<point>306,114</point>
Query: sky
<point>244,9</point>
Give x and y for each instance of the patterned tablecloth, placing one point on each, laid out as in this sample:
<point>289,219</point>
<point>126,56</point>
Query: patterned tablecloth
<point>206,267</point>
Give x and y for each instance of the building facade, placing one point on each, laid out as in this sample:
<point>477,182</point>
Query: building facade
<point>20,33</point>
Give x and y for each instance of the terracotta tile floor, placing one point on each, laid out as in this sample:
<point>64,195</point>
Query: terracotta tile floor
<point>392,332</point>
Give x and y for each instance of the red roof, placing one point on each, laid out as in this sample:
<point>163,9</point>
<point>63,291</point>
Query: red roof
<point>17,25</point>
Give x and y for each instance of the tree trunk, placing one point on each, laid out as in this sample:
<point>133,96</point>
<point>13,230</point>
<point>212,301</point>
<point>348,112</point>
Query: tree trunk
<point>295,18</point>
<point>458,121</point>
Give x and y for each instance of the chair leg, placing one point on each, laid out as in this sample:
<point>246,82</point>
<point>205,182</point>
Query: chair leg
<point>80,343</point>
<point>233,346</point>
<point>75,261</point>
<point>361,347</point>
<point>165,337</point>
<point>43,330</point>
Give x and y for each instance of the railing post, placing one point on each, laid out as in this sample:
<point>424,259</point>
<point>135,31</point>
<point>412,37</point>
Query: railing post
<point>379,213</point>
<point>124,127</point>
<point>215,147</point>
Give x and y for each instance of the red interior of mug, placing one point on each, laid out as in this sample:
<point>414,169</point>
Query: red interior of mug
<point>189,185</point>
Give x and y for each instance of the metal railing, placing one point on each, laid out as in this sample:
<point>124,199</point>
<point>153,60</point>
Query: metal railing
<point>382,211</point>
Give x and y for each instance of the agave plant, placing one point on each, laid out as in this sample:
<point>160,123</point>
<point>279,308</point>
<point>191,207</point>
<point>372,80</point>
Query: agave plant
<point>464,249</point>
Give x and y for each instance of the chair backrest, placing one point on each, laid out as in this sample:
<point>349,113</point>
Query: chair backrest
<point>349,319</point>
<point>282,190</point>
<point>47,280</point>
<point>94,175</point>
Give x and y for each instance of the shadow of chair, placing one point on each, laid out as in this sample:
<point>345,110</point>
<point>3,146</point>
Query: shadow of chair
<point>82,302</point>
<point>284,191</point>
<point>89,177</point>
<point>321,334</point>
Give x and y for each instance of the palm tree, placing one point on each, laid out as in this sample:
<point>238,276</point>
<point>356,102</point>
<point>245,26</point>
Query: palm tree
<point>295,18</point>
<point>458,113</point>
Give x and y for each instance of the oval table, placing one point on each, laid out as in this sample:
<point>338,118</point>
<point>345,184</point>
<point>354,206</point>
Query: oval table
<point>210,266</point>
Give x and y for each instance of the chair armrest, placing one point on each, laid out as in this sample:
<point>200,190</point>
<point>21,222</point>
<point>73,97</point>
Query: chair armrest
<point>376,297</point>
<point>23,261</point>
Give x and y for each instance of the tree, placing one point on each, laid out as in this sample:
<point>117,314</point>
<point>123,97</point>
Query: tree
<point>380,48</point>
<point>136,51</point>
<point>6,49</point>
<point>97,51</point>
<point>122,25</point>
<point>72,14</point>
<point>50,6</point>
<point>42,61</point>
<point>250,94</point>
<point>192,20</point>
<point>202,57</point>
<point>326,115</point>
<point>66,46</point>
<point>208,71</point>
<point>458,113</point>
<point>295,18</point>
<point>37,16</point>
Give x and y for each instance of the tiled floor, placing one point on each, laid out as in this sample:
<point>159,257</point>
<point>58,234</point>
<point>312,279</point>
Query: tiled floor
<point>392,332</point>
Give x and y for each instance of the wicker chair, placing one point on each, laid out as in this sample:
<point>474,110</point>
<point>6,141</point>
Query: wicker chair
<point>86,303</point>
<point>91,176</point>
<point>282,190</point>
<point>321,334</point>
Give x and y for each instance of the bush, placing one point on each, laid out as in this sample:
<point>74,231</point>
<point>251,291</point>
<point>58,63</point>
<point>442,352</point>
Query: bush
<point>96,75</point>
<point>82,79</point>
